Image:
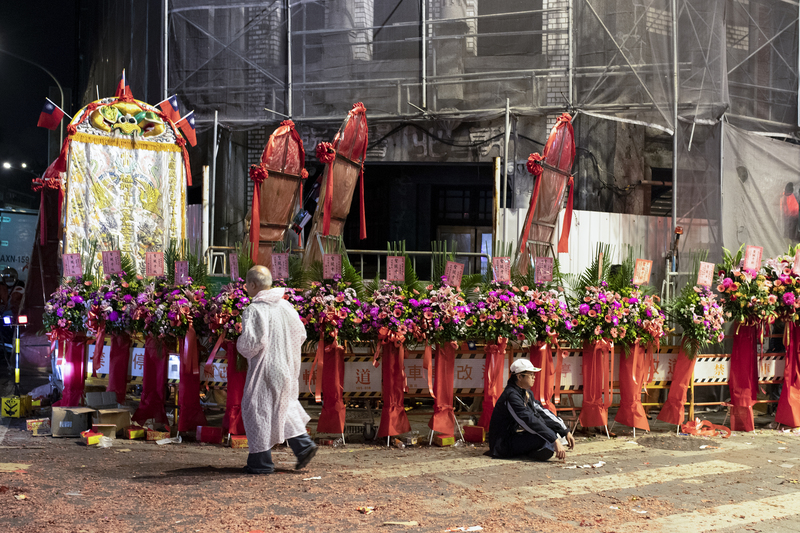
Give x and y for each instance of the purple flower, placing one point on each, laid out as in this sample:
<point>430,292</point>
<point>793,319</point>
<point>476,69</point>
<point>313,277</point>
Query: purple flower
<point>77,299</point>
<point>788,298</point>
<point>113,316</point>
<point>584,309</point>
<point>504,297</point>
<point>59,312</point>
<point>127,298</point>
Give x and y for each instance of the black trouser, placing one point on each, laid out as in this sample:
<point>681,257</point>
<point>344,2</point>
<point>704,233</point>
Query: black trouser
<point>261,462</point>
<point>529,445</point>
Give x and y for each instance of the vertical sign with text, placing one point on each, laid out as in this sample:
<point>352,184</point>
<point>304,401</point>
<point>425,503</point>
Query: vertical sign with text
<point>453,272</point>
<point>112,262</point>
<point>181,272</point>
<point>641,271</point>
<point>233,258</point>
<point>543,269</point>
<point>705,275</point>
<point>280,266</point>
<point>396,268</point>
<point>331,266</point>
<point>501,266</point>
<point>154,264</point>
<point>752,257</point>
<point>72,265</point>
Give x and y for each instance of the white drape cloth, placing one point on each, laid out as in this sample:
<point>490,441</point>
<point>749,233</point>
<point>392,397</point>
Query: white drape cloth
<point>272,335</point>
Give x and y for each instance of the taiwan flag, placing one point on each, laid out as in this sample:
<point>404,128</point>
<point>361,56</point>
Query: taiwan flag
<point>186,124</point>
<point>51,116</point>
<point>170,108</point>
<point>122,87</point>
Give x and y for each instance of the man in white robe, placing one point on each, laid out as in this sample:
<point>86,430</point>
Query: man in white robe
<point>272,335</point>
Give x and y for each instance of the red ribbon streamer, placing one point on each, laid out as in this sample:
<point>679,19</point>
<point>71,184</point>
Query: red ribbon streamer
<point>258,174</point>
<point>98,349</point>
<point>427,360</point>
<point>189,351</point>
<point>209,369</point>
<point>563,241</point>
<point>560,355</point>
<point>317,365</point>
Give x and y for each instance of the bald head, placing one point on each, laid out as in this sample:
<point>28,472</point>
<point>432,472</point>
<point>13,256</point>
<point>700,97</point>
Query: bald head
<point>258,279</point>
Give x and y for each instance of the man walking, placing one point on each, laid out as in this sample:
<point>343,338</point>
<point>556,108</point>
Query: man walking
<point>272,335</point>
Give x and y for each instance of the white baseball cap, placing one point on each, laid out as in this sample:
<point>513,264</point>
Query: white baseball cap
<point>523,365</point>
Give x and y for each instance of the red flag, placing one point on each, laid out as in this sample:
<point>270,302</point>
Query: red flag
<point>122,87</point>
<point>186,124</point>
<point>51,116</point>
<point>170,108</point>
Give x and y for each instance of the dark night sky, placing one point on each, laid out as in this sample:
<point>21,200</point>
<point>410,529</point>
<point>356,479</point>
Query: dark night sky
<point>45,33</point>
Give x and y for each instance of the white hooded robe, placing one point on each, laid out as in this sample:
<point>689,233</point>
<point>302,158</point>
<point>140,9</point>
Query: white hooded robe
<point>272,335</point>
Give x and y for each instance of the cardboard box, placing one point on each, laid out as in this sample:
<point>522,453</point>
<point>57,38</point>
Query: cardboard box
<point>121,418</point>
<point>39,426</point>
<point>107,430</point>
<point>444,440</point>
<point>474,434</point>
<point>238,441</point>
<point>212,435</point>
<point>90,438</point>
<point>156,435</point>
<point>102,400</point>
<point>135,432</point>
<point>70,421</point>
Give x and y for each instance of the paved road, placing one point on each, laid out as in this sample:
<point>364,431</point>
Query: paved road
<point>656,482</point>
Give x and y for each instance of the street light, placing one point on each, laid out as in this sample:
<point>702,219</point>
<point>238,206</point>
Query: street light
<point>6,165</point>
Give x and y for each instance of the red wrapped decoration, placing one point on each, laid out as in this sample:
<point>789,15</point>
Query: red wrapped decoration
<point>443,419</point>
<point>534,164</point>
<point>788,413</point>
<point>673,412</point>
<point>325,153</point>
<point>394,420</point>
<point>190,412</point>
<point>633,369</point>
<point>492,379</point>
<point>118,358</point>
<point>331,419</point>
<point>541,356</point>
<point>597,376</point>
<point>73,372</point>
<point>232,422</point>
<point>154,383</point>
<point>743,379</point>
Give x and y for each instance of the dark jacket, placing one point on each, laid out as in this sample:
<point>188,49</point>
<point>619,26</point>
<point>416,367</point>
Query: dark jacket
<point>516,410</point>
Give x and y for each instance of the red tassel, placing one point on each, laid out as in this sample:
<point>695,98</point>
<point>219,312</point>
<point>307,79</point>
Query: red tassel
<point>563,241</point>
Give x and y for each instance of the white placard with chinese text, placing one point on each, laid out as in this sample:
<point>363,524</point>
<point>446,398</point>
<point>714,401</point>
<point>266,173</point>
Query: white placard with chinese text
<point>705,275</point>
<point>154,264</point>
<point>543,269</point>
<point>280,266</point>
<point>181,272</point>
<point>112,262</point>
<point>502,268</point>
<point>453,272</point>
<point>331,266</point>
<point>641,271</point>
<point>396,268</point>
<point>72,265</point>
<point>752,257</point>
<point>233,258</point>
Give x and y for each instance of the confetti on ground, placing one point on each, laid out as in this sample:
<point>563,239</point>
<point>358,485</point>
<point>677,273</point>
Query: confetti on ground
<point>310,478</point>
<point>20,497</point>
<point>411,523</point>
<point>365,510</point>
<point>787,465</point>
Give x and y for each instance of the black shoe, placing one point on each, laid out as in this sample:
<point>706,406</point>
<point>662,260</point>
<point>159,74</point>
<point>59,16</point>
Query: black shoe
<point>247,470</point>
<point>303,460</point>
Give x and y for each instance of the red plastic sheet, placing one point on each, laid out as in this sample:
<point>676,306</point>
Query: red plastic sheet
<point>118,359</point>
<point>73,372</point>
<point>597,358</point>
<point>492,379</point>
<point>331,419</point>
<point>788,413</point>
<point>154,383</point>
<point>541,356</point>
<point>743,379</point>
<point>444,368</point>
<point>232,422</point>
<point>394,420</point>
<point>673,412</point>
<point>190,412</point>
<point>632,373</point>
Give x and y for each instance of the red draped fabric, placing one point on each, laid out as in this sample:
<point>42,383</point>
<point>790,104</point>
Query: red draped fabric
<point>492,379</point>
<point>673,412</point>
<point>394,420</point>
<point>190,412</point>
<point>331,419</point>
<point>118,361</point>
<point>541,356</point>
<point>597,375</point>
<point>444,367</point>
<point>743,379</point>
<point>788,412</point>
<point>232,422</point>
<point>633,370</point>
<point>73,372</point>
<point>154,383</point>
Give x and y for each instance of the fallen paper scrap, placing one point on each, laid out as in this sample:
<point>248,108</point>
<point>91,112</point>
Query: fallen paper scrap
<point>365,510</point>
<point>595,465</point>
<point>310,478</point>
<point>613,507</point>
<point>12,467</point>
<point>172,440</point>
<point>471,528</point>
<point>20,497</point>
<point>74,494</point>
<point>640,512</point>
<point>412,523</point>
<point>123,450</point>
<point>787,465</point>
<point>781,447</point>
